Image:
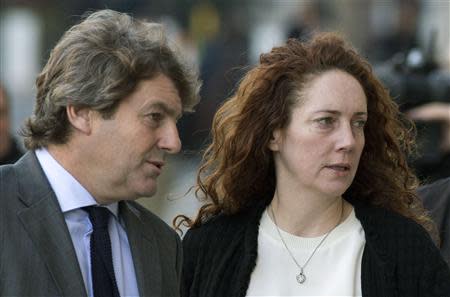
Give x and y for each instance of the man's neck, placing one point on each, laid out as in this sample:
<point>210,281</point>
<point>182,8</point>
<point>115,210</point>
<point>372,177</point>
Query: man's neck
<point>72,160</point>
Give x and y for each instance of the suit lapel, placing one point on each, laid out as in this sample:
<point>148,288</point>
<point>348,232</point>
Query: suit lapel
<point>43,220</point>
<point>145,251</point>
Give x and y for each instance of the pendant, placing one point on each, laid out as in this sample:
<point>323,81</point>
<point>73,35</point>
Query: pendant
<point>301,278</point>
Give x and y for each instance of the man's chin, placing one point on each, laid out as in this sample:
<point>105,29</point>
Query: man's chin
<point>141,189</point>
<point>147,193</point>
<point>150,190</point>
<point>140,193</point>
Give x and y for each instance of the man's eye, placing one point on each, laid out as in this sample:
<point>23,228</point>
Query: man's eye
<point>156,116</point>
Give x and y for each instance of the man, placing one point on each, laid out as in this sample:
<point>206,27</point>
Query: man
<point>436,199</point>
<point>9,149</point>
<point>107,104</point>
<point>436,196</point>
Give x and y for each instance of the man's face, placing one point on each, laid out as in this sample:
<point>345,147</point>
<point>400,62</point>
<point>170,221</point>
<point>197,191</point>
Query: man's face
<point>129,149</point>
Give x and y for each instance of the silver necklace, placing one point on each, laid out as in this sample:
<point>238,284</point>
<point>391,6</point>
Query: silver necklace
<point>301,277</point>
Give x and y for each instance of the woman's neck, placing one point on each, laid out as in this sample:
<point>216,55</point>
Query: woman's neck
<point>308,215</point>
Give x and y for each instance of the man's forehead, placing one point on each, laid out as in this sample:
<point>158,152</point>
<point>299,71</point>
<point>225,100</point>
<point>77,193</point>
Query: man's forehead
<point>159,92</point>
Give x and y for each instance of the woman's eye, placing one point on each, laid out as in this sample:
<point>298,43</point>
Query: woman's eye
<point>328,121</point>
<point>359,123</point>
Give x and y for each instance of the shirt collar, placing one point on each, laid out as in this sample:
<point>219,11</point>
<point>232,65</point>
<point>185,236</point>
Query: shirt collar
<point>70,193</point>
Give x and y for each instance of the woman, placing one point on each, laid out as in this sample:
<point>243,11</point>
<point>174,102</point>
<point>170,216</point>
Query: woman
<point>309,190</point>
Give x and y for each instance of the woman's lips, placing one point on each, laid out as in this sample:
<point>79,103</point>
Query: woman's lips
<point>339,168</point>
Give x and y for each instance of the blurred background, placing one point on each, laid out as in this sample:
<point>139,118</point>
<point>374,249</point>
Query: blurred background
<point>407,42</point>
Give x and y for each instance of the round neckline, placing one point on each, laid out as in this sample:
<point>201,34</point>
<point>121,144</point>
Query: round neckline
<point>267,227</point>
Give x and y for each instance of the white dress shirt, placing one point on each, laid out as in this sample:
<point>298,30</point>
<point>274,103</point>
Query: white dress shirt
<point>72,196</point>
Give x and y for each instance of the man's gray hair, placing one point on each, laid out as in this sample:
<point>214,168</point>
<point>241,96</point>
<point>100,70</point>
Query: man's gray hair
<point>96,64</point>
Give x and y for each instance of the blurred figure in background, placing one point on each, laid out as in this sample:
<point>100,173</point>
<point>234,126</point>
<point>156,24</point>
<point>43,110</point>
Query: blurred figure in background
<point>307,20</point>
<point>422,90</point>
<point>435,114</point>
<point>436,196</point>
<point>415,79</point>
<point>402,38</point>
<point>222,53</point>
<point>10,151</point>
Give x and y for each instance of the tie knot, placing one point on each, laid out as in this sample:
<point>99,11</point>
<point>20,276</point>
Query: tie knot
<point>99,216</point>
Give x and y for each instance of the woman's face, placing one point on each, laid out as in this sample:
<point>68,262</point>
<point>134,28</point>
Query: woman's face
<point>319,151</point>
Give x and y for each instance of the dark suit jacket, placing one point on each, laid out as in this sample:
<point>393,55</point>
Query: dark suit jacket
<point>37,257</point>
<point>436,199</point>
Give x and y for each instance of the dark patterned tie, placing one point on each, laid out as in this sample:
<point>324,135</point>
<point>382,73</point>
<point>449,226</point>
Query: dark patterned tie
<point>103,279</point>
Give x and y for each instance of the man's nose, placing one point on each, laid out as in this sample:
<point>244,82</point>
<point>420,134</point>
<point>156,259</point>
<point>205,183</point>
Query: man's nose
<point>170,139</point>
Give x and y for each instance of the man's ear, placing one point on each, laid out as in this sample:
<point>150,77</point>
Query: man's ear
<point>275,140</point>
<point>80,118</point>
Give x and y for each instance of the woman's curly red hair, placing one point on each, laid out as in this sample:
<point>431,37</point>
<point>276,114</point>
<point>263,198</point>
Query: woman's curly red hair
<point>238,168</point>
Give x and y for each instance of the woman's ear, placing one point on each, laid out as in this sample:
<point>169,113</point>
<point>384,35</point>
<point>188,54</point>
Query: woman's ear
<point>274,143</point>
<point>80,118</point>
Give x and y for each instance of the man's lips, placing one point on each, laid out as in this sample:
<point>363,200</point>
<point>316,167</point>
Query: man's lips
<point>157,164</point>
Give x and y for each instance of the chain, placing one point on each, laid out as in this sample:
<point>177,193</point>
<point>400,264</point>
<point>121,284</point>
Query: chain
<point>302,267</point>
